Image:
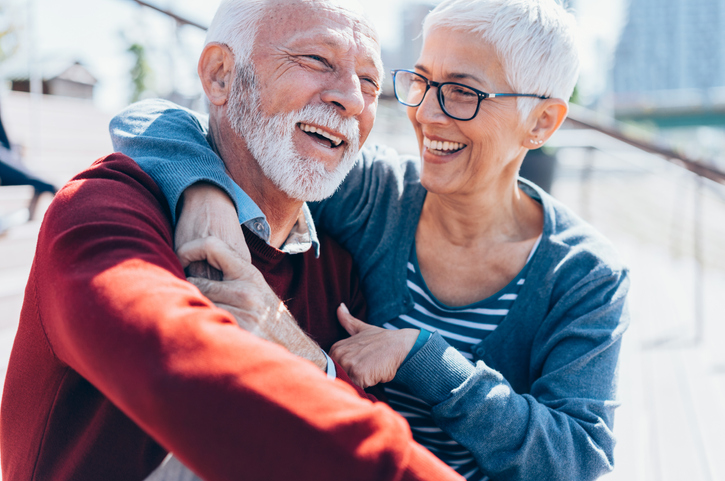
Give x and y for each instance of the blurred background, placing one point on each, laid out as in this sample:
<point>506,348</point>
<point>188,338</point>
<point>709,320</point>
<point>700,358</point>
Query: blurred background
<point>642,158</point>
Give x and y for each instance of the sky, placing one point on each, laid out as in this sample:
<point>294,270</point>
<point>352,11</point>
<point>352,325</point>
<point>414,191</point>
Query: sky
<point>98,32</point>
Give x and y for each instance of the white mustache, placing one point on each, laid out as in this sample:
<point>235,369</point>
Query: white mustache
<point>327,117</point>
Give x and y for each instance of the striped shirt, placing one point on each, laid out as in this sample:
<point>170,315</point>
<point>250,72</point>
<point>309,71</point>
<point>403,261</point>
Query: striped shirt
<point>463,327</point>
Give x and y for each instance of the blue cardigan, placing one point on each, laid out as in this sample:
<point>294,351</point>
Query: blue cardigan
<point>538,403</point>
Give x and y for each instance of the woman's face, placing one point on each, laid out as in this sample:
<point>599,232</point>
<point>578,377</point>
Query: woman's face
<point>492,142</point>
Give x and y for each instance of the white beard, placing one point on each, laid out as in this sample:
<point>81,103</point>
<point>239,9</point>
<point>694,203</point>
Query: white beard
<point>269,140</point>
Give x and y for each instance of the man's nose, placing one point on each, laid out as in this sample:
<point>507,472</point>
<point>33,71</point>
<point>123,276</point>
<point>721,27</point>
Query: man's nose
<point>345,94</point>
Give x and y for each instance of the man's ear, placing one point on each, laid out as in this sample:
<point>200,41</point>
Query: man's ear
<point>216,71</point>
<point>547,118</point>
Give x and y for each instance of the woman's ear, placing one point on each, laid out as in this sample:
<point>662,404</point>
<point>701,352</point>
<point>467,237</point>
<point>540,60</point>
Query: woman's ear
<point>547,118</point>
<point>216,71</point>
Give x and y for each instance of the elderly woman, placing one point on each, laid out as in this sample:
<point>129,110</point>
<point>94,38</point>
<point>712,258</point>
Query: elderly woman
<point>496,313</point>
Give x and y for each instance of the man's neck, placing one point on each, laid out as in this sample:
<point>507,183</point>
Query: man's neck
<point>281,211</point>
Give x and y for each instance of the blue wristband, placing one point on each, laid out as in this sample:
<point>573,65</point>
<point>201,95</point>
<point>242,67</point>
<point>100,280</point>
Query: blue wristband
<point>420,342</point>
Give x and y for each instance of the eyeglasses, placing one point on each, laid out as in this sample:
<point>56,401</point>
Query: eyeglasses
<point>457,101</point>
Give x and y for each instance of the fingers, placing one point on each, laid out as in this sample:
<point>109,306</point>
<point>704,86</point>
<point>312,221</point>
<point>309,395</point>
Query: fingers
<point>217,253</point>
<point>355,363</point>
<point>351,324</point>
<point>204,270</point>
<point>243,295</point>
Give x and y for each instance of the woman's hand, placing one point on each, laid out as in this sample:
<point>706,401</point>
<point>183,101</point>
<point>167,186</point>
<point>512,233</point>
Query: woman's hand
<point>372,354</point>
<point>208,211</point>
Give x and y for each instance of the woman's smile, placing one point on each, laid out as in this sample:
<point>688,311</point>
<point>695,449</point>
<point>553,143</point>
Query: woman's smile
<point>442,147</point>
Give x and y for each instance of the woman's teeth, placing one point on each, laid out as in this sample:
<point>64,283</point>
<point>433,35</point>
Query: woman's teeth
<point>314,130</point>
<point>442,146</point>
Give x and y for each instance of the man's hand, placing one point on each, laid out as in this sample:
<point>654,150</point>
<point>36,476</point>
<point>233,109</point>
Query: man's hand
<point>245,294</point>
<point>208,211</point>
<point>372,354</point>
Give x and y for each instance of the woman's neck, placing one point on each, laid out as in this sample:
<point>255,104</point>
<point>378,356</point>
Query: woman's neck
<point>469,248</point>
<point>493,215</point>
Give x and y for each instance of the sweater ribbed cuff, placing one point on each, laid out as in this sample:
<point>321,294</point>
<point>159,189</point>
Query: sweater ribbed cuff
<point>435,370</point>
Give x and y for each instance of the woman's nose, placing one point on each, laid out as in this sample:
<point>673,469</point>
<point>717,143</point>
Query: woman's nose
<point>429,111</point>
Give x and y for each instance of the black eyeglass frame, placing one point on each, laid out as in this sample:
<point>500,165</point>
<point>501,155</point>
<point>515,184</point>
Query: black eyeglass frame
<point>430,83</point>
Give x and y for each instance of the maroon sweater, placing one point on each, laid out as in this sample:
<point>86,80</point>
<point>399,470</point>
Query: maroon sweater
<point>311,287</point>
<point>118,359</point>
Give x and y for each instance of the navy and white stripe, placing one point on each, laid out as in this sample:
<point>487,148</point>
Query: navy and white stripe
<point>463,327</point>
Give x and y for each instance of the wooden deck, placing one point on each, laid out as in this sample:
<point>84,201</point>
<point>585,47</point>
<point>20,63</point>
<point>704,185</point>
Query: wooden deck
<point>671,425</point>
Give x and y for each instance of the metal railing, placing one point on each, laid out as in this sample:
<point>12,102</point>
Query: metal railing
<point>179,19</point>
<point>582,118</point>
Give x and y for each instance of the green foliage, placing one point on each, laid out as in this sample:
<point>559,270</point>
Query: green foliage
<point>575,96</point>
<point>140,72</point>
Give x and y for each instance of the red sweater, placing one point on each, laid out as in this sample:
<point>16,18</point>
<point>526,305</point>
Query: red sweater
<point>118,359</point>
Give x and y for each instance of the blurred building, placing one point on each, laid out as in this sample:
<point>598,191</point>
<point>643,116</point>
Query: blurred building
<point>60,79</point>
<point>411,32</point>
<point>411,42</point>
<point>669,67</point>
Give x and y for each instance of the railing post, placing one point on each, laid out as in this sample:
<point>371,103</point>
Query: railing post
<point>586,184</point>
<point>699,283</point>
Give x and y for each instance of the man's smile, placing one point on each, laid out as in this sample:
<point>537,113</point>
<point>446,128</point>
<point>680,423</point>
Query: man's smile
<point>321,134</point>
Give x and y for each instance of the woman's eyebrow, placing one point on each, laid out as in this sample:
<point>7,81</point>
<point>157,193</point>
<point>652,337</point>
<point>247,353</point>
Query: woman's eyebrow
<point>422,69</point>
<point>463,76</point>
<point>453,76</point>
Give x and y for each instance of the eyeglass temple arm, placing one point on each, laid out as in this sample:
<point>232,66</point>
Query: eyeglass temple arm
<point>542,97</point>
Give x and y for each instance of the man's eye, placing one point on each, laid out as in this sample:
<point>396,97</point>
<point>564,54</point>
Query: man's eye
<point>371,82</point>
<point>369,86</point>
<point>317,58</point>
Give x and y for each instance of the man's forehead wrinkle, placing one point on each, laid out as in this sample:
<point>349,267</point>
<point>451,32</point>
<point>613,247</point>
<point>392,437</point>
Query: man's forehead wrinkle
<point>347,11</point>
<point>328,25</point>
<point>322,35</point>
<point>338,39</point>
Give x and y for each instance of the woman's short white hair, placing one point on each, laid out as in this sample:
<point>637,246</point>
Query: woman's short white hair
<point>535,40</point>
<point>235,25</point>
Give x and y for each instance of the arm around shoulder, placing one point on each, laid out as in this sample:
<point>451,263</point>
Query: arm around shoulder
<point>170,144</point>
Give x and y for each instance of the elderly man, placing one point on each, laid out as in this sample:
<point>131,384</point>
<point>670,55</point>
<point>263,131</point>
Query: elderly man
<point>119,360</point>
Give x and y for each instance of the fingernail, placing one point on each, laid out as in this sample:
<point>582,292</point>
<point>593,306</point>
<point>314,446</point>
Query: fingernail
<point>344,308</point>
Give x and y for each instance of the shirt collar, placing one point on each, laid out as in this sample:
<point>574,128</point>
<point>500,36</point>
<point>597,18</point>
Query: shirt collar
<point>301,238</point>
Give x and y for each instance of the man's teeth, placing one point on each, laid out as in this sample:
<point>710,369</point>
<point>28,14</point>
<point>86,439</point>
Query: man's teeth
<point>438,145</point>
<point>314,130</point>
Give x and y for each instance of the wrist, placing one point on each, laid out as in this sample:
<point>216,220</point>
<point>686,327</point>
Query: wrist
<point>283,329</point>
<point>420,340</point>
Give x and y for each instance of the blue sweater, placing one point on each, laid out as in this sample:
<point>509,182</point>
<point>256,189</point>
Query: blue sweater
<point>538,403</point>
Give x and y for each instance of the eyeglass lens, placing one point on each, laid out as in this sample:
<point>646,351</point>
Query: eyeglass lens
<point>456,100</point>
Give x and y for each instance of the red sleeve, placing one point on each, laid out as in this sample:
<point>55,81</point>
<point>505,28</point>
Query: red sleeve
<point>116,309</point>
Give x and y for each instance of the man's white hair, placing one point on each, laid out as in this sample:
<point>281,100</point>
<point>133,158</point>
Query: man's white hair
<point>235,25</point>
<point>535,41</point>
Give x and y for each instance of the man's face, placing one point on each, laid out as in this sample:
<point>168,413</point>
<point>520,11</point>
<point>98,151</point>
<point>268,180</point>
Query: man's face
<point>313,96</point>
